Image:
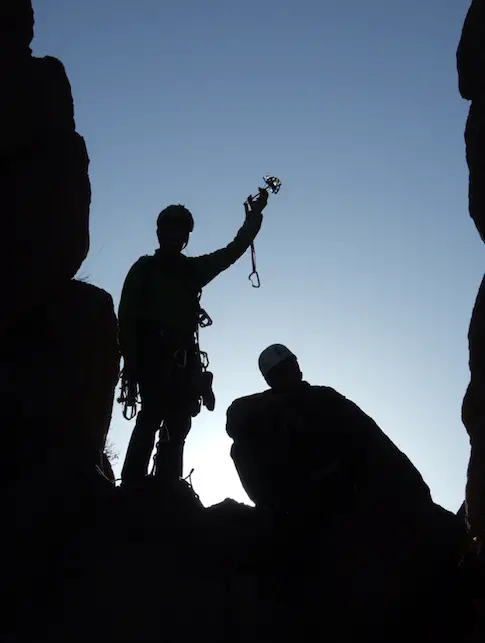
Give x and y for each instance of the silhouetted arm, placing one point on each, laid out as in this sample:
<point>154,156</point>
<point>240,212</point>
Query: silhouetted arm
<point>207,267</point>
<point>380,468</point>
<point>129,309</point>
<point>386,469</point>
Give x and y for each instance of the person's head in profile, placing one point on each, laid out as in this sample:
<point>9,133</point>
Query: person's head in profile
<point>280,368</point>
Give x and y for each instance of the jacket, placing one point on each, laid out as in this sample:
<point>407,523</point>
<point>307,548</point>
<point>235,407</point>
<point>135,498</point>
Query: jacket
<point>165,293</point>
<point>314,435</point>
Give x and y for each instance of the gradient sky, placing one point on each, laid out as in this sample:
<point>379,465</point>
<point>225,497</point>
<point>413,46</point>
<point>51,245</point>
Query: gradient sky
<point>368,259</point>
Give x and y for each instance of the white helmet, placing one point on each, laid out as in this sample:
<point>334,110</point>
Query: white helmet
<point>273,355</point>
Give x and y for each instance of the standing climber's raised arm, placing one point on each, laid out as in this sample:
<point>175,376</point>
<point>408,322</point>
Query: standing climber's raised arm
<point>207,267</point>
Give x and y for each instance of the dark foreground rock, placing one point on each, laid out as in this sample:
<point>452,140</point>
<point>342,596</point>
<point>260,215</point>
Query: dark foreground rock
<point>471,80</point>
<point>109,565</point>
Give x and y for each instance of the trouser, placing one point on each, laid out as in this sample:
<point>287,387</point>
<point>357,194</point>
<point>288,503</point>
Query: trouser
<point>169,460</point>
<point>168,395</point>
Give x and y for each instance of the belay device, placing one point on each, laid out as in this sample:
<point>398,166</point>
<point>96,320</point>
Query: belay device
<point>273,185</point>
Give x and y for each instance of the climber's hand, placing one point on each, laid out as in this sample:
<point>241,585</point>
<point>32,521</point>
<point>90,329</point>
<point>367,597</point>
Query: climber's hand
<point>257,205</point>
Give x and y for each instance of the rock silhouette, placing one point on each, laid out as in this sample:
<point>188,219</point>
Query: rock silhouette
<point>47,225</point>
<point>58,346</point>
<point>59,357</point>
<point>471,82</point>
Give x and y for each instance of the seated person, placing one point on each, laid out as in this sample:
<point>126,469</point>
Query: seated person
<point>384,547</point>
<point>296,440</point>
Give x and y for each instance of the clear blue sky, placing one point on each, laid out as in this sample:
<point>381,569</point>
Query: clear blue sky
<point>368,259</point>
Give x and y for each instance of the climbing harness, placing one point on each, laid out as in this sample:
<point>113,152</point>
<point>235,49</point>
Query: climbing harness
<point>273,185</point>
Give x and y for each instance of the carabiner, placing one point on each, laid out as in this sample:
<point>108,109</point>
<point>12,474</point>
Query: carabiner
<point>183,363</point>
<point>254,276</point>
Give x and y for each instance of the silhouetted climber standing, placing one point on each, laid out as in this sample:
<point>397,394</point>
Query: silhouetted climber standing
<point>471,79</point>
<point>159,318</point>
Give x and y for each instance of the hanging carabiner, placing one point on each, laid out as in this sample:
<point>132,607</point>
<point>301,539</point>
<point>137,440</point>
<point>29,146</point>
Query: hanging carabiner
<point>254,279</point>
<point>254,276</point>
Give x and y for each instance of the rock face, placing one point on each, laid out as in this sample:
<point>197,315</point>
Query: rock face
<point>58,338</point>
<point>471,80</point>
<point>159,567</point>
<point>45,235</point>
<point>471,84</point>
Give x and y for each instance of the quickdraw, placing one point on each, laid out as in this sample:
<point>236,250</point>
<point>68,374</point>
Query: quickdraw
<point>273,185</point>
